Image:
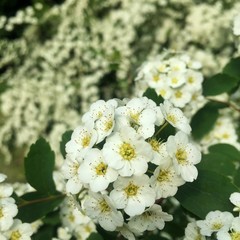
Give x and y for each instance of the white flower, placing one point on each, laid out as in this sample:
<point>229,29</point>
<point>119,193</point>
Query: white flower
<point>126,232</point>
<point>2,177</point>
<point>164,90</point>
<point>194,81</point>
<point>151,219</point>
<point>63,233</point>
<point>101,118</point>
<point>181,97</point>
<point>82,139</point>
<point>6,190</point>
<point>127,152</point>
<point>83,231</point>
<point>19,231</point>
<point>175,117</point>
<point>165,180</point>
<point>235,199</point>
<point>234,233</point>
<point>176,79</point>
<point>132,194</point>
<point>8,210</point>
<point>177,65</point>
<point>70,171</point>
<point>236,25</point>
<point>192,232</point>
<point>185,155</point>
<point>215,221</point>
<point>160,154</point>
<point>141,114</point>
<point>96,171</point>
<point>101,208</point>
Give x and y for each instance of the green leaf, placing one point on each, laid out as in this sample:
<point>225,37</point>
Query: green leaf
<point>226,149</point>
<point>95,236</point>
<point>45,232</point>
<point>209,192</point>
<point>65,138</point>
<point>219,83</point>
<point>39,165</point>
<point>35,205</point>
<point>233,68</point>
<point>217,162</point>
<point>151,94</point>
<point>204,120</point>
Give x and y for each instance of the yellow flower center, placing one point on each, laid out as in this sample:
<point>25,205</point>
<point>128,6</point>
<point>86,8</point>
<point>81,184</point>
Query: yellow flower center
<point>108,125</point>
<point>86,141</point>
<point>178,94</point>
<point>190,80</point>
<point>127,151</point>
<point>181,156</point>
<point>171,118</point>
<point>16,235</point>
<point>155,144</point>
<point>135,116</point>
<point>156,78</point>
<point>164,175</point>
<point>88,229</point>
<point>131,190</point>
<point>235,235</point>
<point>216,226</point>
<point>104,206</point>
<point>101,168</point>
<point>174,80</point>
<point>162,92</point>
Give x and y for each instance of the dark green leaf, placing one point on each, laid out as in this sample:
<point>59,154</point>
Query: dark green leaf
<point>95,236</point>
<point>203,121</point>
<point>236,177</point>
<point>36,205</point>
<point>219,83</point>
<point>65,138</point>
<point>39,165</point>
<point>233,68</point>
<point>218,162</point>
<point>151,94</point>
<point>211,191</point>
<point>44,233</point>
<point>52,218</point>
<point>225,149</point>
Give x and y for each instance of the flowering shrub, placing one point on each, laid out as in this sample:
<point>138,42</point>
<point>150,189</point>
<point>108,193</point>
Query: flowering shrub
<point>161,164</point>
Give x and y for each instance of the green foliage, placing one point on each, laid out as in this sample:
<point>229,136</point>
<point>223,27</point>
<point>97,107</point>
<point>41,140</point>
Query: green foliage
<point>219,83</point>
<point>39,165</point>
<point>95,236</point>
<point>45,232</point>
<point>151,94</point>
<point>65,138</point>
<point>35,205</point>
<point>233,68</point>
<point>203,121</point>
<point>209,192</point>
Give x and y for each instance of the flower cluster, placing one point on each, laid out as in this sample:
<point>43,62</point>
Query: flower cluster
<point>119,158</point>
<point>175,77</point>
<point>221,224</point>
<point>11,228</point>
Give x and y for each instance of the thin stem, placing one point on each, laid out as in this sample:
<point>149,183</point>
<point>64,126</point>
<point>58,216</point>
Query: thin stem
<point>231,105</point>
<point>46,199</point>
<point>161,128</point>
